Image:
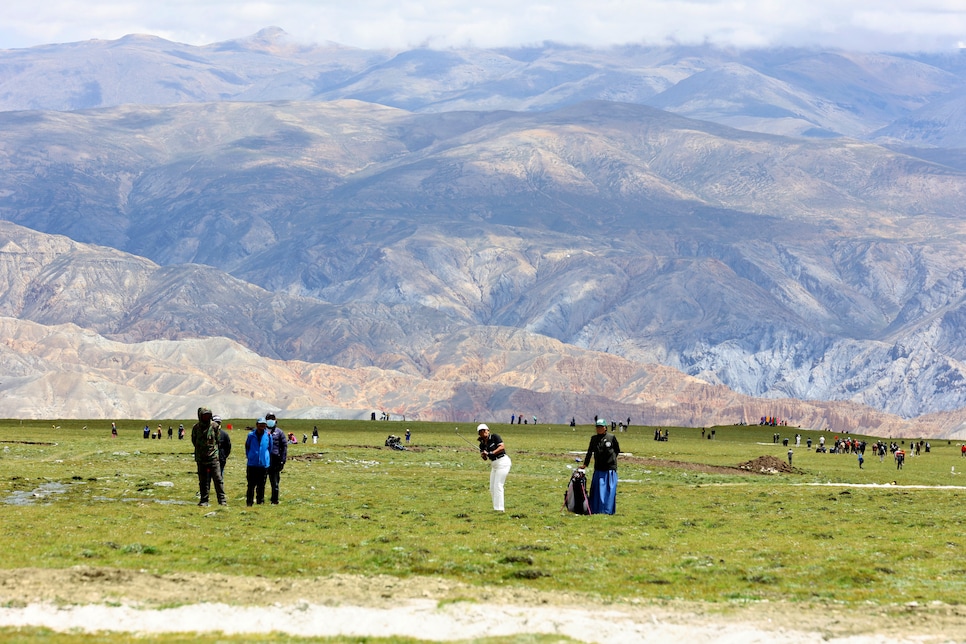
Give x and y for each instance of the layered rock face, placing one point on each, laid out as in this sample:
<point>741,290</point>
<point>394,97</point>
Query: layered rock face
<point>600,257</point>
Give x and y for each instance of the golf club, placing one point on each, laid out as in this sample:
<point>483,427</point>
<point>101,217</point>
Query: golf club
<point>466,439</point>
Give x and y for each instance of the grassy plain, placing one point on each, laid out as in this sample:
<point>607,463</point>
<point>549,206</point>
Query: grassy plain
<point>828,532</point>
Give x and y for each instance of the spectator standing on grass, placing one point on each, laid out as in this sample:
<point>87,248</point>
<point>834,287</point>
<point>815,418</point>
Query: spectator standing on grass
<point>493,449</point>
<point>789,457</point>
<point>603,449</point>
<point>279,454</point>
<point>861,460</point>
<point>113,430</point>
<point>204,438</point>
<point>258,457</point>
<point>170,432</point>
<point>315,434</point>
<point>224,445</point>
<point>180,432</point>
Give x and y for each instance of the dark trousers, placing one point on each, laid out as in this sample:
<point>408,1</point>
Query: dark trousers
<point>208,473</point>
<point>221,464</point>
<point>256,485</point>
<point>275,476</point>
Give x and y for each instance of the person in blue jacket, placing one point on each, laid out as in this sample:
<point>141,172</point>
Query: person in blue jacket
<point>257,451</point>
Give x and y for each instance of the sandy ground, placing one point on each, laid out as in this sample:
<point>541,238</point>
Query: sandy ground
<point>98,599</point>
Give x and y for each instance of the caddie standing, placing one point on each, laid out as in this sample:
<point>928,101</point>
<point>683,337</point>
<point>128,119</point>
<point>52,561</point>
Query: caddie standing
<point>603,449</point>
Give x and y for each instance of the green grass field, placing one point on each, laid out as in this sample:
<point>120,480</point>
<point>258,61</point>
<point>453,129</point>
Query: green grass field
<point>76,496</point>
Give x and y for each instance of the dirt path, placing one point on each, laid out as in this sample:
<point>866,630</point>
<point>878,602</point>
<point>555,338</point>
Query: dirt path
<point>98,599</point>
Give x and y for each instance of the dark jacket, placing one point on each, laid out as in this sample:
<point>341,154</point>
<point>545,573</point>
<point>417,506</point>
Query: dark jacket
<point>279,446</point>
<point>224,446</point>
<point>604,450</point>
<point>491,443</point>
<point>204,438</point>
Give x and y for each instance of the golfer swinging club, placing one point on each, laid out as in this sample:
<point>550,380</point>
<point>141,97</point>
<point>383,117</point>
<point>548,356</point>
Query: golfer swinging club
<point>492,448</point>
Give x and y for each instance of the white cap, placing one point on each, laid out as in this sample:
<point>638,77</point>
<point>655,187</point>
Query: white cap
<point>481,427</point>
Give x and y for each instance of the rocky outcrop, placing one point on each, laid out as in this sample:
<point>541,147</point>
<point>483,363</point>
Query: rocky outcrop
<point>486,262</point>
<point>66,372</point>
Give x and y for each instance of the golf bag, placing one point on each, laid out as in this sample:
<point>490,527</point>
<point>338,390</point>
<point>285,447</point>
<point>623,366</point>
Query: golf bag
<point>575,498</point>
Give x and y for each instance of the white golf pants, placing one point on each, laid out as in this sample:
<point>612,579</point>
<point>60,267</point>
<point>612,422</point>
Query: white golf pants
<point>498,471</point>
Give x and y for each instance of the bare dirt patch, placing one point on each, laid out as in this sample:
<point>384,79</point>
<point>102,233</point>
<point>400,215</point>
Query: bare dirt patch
<point>760,465</point>
<point>683,465</point>
<point>28,442</point>
<point>768,465</point>
<point>107,599</point>
<point>321,455</point>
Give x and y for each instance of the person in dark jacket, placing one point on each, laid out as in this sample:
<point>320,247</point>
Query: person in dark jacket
<point>279,453</point>
<point>224,445</point>
<point>603,449</point>
<point>204,438</point>
<point>258,455</point>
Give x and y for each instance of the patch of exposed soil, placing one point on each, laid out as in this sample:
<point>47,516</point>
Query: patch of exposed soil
<point>315,456</point>
<point>760,465</point>
<point>768,465</point>
<point>28,442</point>
<point>108,599</point>
<point>683,465</point>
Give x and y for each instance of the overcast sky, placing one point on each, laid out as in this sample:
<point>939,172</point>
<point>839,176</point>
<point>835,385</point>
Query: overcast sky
<point>885,25</point>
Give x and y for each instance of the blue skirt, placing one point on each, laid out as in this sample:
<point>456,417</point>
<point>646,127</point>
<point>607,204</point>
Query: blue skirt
<point>603,492</point>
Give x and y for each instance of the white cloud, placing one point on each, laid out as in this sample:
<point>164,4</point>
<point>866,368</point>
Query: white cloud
<point>850,24</point>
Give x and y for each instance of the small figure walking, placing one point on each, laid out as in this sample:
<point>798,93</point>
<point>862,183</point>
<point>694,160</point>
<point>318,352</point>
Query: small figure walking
<point>861,460</point>
<point>789,457</point>
<point>113,430</point>
<point>408,434</point>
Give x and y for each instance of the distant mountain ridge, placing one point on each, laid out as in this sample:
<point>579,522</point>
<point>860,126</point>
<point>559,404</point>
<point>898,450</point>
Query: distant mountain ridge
<point>780,91</point>
<point>422,243</point>
<point>62,370</point>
